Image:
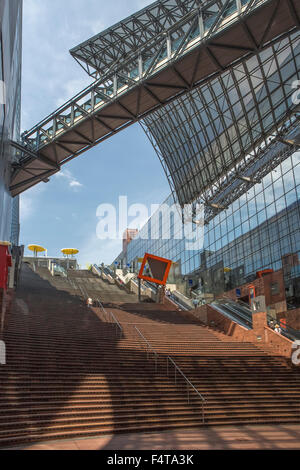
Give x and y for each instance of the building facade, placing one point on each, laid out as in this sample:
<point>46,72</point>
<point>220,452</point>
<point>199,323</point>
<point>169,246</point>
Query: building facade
<point>259,231</point>
<point>10,111</point>
<point>231,144</point>
<point>128,236</point>
<point>208,138</point>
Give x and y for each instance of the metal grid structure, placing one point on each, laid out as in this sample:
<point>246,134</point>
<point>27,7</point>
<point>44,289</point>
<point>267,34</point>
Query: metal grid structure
<point>254,233</point>
<point>104,52</point>
<point>245,175</point>
<point>193,42</point>
<point>215,140</point>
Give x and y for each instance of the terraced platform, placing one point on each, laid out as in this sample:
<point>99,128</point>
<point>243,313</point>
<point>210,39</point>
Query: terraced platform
<point>69,375</point>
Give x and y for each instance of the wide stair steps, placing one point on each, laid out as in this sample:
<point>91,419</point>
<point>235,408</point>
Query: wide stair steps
<point>70,374</point>
<point>240,382</point>
<point>97,289</point>
<point>85,284</point>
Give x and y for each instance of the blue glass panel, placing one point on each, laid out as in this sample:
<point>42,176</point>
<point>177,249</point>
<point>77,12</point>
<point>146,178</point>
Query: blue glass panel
<point>231,9</point>
<point>208,22</point>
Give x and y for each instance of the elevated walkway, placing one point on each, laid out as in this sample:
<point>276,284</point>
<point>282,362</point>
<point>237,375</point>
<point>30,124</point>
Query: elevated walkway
<point>184,48</point>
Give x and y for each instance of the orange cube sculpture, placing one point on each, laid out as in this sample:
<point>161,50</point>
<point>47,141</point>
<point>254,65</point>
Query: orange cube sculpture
<point>159,267</point>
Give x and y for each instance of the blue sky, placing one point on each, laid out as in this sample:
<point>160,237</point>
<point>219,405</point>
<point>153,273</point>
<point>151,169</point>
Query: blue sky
<point>62,213</point>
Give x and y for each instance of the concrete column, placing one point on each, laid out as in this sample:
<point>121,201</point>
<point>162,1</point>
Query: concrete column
<point>260,322</point>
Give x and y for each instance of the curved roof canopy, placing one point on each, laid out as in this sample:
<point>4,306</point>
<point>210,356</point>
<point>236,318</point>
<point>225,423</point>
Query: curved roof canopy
<point>144,63</point>
<point>212,136</point>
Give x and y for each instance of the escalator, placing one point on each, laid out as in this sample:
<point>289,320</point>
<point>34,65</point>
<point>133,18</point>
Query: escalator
<point>59,271</point>
<point>235,312</point>
<point>240,313</point>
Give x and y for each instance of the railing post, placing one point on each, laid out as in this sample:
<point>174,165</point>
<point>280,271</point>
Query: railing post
<point>167,366</point>
<point>169,47</point>
<point>188,393</point>
<point>239,6</point>
<point>175,376</point>
<point>140,65</point>
<point>201,25</point>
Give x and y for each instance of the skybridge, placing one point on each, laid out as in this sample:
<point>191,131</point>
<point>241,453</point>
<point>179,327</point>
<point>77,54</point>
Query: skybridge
<point>144,63</point>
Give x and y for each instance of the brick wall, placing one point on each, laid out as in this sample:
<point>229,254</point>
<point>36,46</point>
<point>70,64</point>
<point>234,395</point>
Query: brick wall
<point>278,343</point>
<point>261,333</point>
<point>274,298</point>
<point>292,318</point>
<point>259,289</point>
<point>263,287</point>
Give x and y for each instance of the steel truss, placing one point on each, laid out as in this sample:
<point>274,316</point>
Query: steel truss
<point>192,42</point>
<point>247,174</point>
<point>205,140</point>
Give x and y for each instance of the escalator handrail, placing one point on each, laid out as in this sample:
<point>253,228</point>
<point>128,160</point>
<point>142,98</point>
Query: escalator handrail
<point>241,315</point>
<point>232,316</point>
<point>244,316</point>
<point>287,331</point>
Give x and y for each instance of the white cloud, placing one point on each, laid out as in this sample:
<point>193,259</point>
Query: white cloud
<point>72,182</point>
<point>75,184</point>
<point>50,29</point>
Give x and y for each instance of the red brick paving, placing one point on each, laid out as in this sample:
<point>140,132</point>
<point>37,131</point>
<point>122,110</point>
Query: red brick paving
<point>268,437</point>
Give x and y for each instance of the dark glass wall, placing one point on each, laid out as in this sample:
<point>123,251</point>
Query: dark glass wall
<point>210,131</point>
<point>258,231</point>
<point>10,108</point>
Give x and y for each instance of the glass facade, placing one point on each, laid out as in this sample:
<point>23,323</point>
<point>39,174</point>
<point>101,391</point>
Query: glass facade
<point>15,223</point>
<point>258,231</point>
<point>10,111</point>
<point>211,132</point>
<point>218,147</point>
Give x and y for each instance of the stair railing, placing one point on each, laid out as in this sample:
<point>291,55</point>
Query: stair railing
<point>80,288</point>
<point>149,349</point>
<point>111,316</point>
<point>178,371</point>
<point>85,292</point>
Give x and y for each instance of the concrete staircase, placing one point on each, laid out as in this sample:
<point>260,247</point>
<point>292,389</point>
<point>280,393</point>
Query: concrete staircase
<point>69,375</point>
<point>240,382</point>
<point>84,284</point>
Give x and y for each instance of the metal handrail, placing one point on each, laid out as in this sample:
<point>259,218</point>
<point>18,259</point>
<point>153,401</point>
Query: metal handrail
<point>287,331</point>
<point>188,382</point>
<point>149,348</point>
<point>97,269</point>
<point>177,302</point>
<point>115,321</point>
<point>82,290</point>
<point>229,304</point>
<point>177,369</point>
